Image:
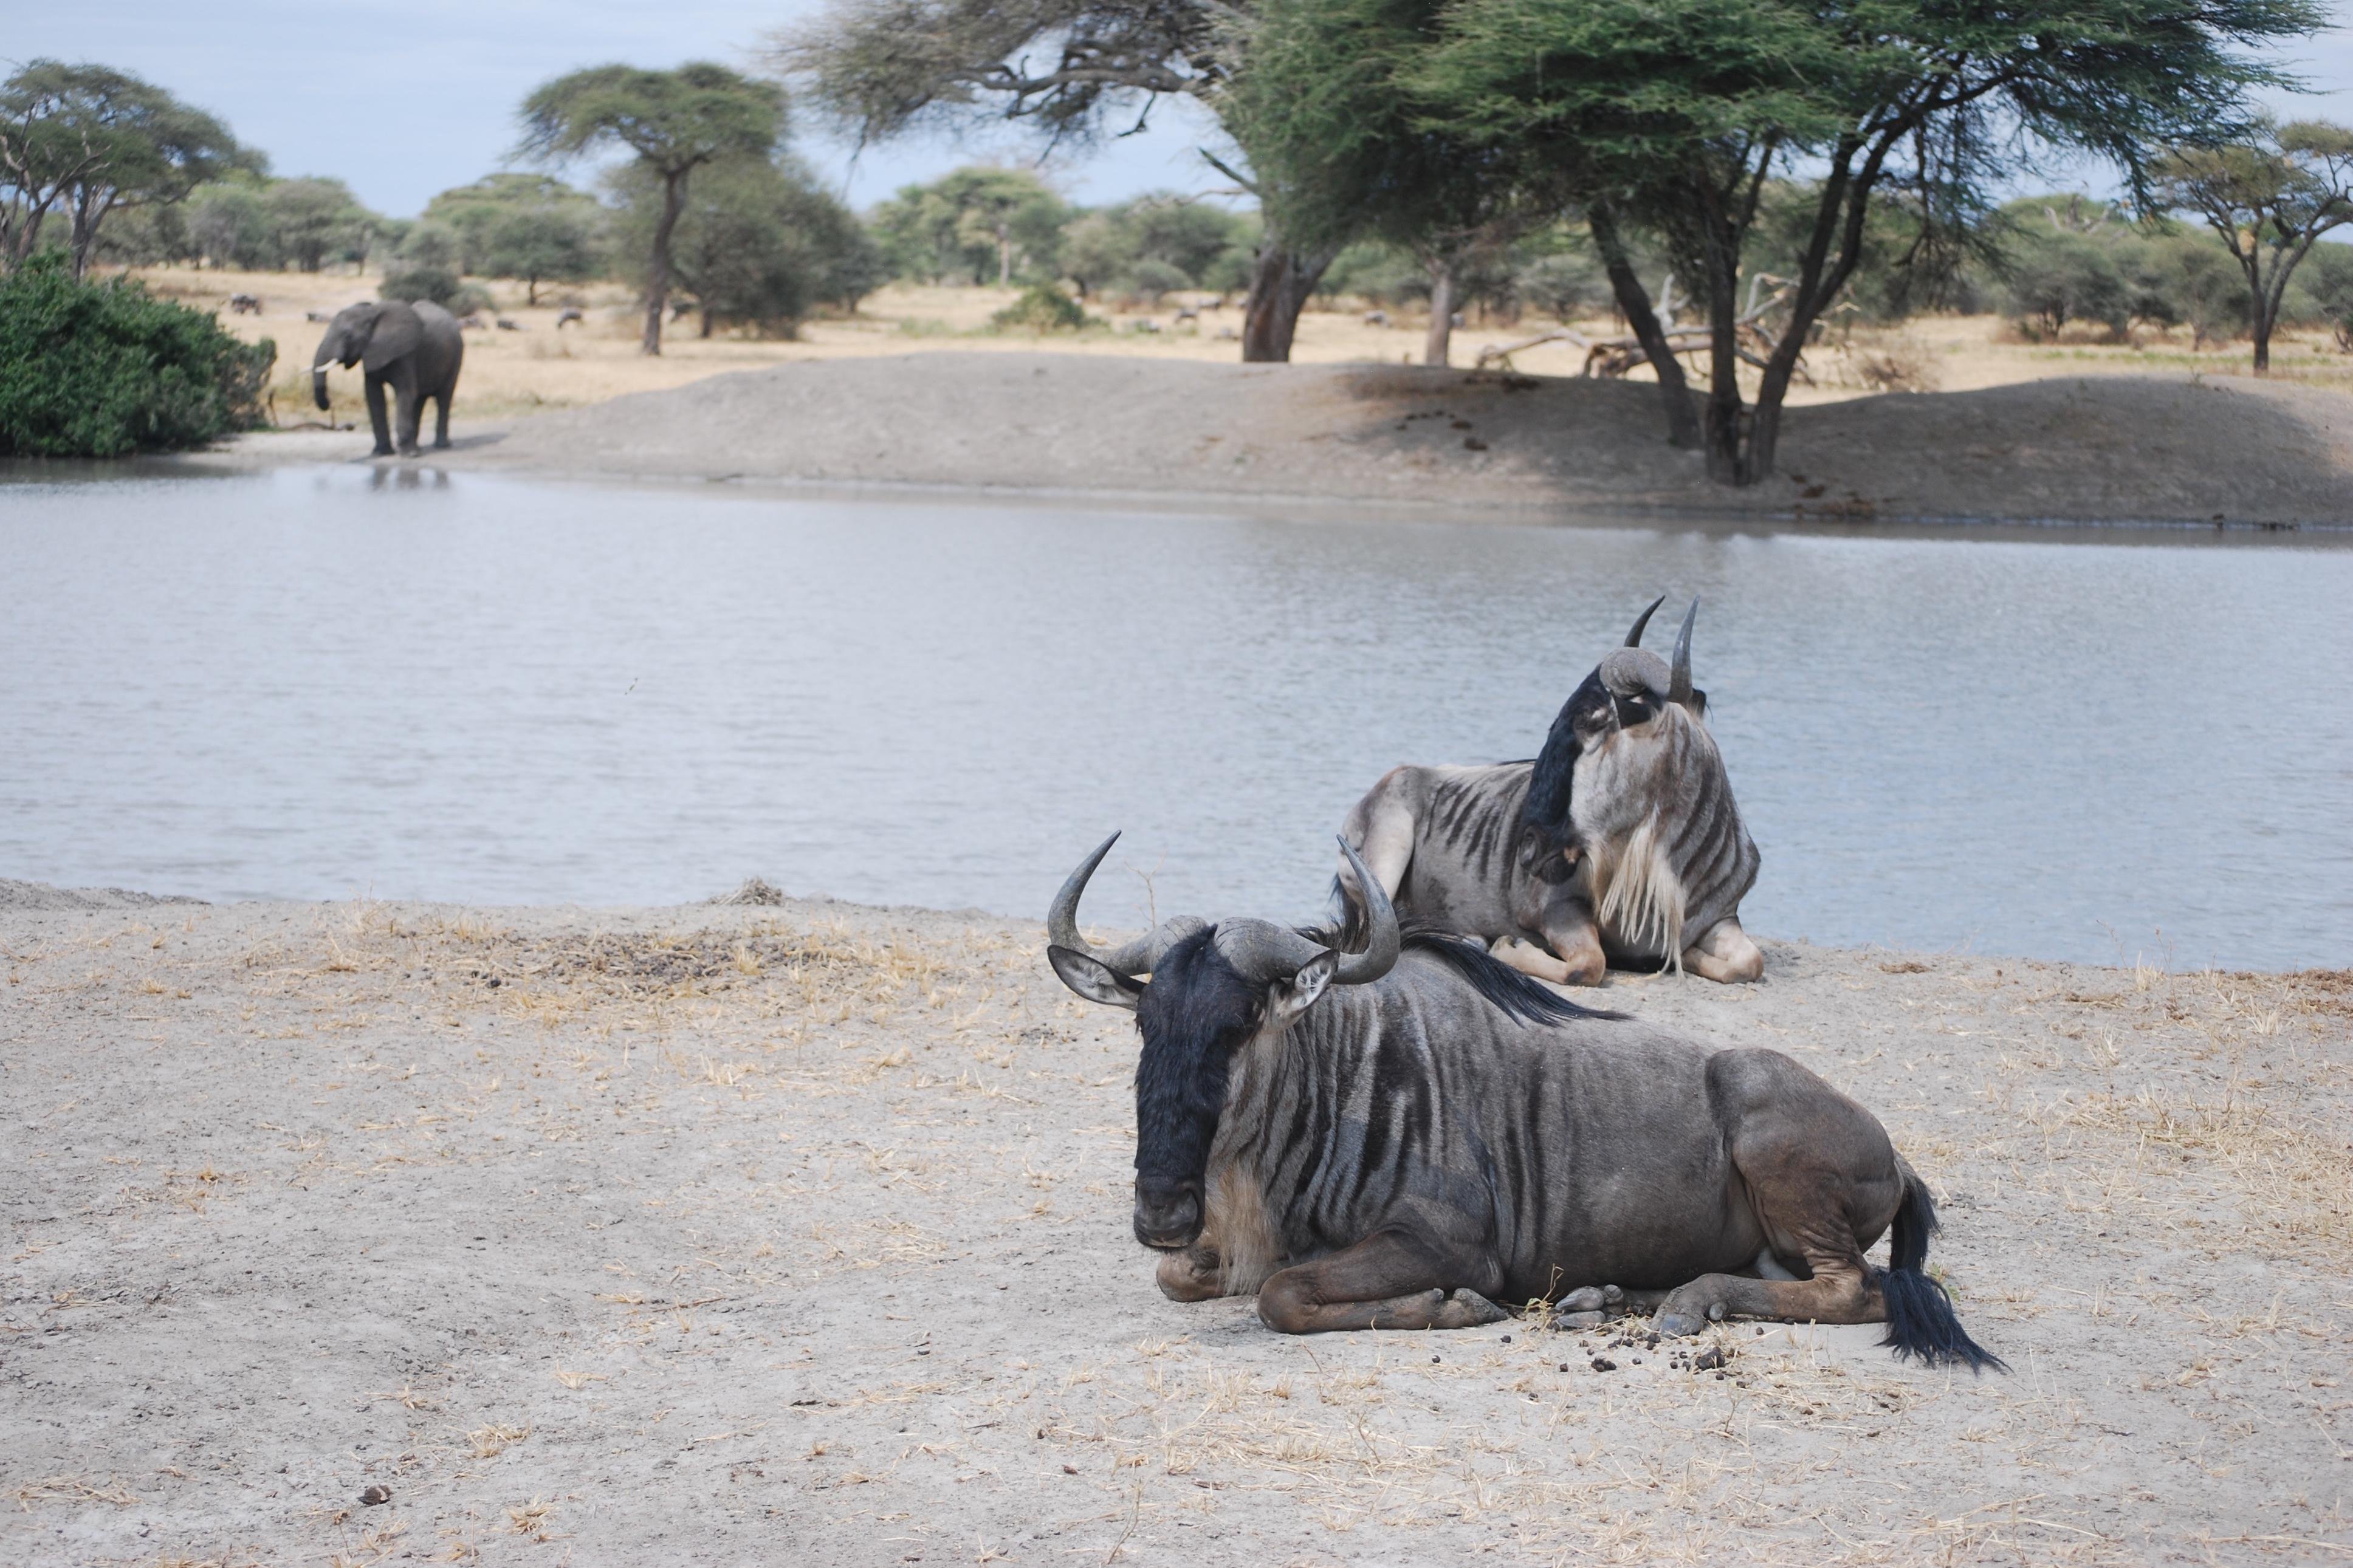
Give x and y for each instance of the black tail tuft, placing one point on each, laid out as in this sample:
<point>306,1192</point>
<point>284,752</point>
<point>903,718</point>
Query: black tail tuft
<point>1920,1320</point>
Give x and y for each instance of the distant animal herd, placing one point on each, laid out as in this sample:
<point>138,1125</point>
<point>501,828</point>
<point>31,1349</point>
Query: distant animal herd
<point>1400,1121</point>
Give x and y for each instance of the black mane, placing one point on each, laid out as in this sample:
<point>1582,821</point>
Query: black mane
<point>1524,998</point>
<point>1544,815</point>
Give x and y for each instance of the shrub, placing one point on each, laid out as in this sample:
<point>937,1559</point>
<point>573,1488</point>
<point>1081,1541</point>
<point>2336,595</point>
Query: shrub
<point>99,370</point>
<point>1042,308</point>
<point>440,285</point>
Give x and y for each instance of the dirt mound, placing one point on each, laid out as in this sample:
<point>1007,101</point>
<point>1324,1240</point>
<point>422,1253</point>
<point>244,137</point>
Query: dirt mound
<point>2111,449</point>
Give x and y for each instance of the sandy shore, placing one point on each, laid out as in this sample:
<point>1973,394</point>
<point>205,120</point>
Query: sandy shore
<point>733,1235</point>
<point>2111,448</point>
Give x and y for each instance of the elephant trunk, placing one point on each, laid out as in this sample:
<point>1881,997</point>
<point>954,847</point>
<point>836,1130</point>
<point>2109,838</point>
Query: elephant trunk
<point>319,362</point>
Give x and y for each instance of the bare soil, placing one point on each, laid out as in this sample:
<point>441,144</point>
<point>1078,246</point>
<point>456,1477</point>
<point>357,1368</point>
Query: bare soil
<point>2115,449</point>
<point>800,1234</point>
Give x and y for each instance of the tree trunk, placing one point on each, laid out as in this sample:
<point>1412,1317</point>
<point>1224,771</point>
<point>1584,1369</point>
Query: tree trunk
<point>657,265</point>
<point>1723,410</point>
<point>1441,312</point>
<point>1004,259</point>
<point>1281,284</point>
<point>1634,305</point>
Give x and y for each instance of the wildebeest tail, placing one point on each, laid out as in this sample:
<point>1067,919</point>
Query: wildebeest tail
<point>1920,1320</point>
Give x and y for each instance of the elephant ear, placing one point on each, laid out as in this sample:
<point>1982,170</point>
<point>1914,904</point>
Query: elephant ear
<point>398,333</point>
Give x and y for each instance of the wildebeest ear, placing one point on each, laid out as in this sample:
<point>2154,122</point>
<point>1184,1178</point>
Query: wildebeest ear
<point>1095,981</point>
<point>1286,999</point>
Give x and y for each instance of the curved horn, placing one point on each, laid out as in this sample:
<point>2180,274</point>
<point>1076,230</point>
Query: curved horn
<point>1062,924</point>
<point>1634,637</point>
<point>1380,954</point>
<point>1679,685</point>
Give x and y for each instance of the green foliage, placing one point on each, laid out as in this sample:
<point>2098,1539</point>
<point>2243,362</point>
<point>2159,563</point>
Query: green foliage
<point>475,212</point>
<point>673,121</point>
<point>757,242</point>
<point>987,225</point>
<point>230,226</point>
<point>438,284</point>
<point>98,370</point>
<point>318,221</point>
<point>1153,245</point>
<point>431,244</point>
<point>1042,308</point>
<point>84,142</point>
<point>543,244</point>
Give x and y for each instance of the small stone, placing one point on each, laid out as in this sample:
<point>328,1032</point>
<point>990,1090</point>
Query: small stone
<point>376,1495</point>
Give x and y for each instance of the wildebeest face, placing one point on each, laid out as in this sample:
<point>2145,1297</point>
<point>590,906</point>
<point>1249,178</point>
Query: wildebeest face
<point>1195,1014</point>
<point>1212,989</point>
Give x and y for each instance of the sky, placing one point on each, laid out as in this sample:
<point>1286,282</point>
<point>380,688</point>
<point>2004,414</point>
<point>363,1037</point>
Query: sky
<point>404,100</point>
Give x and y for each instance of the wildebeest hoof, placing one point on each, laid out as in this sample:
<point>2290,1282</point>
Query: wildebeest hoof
<point>1591,1298</point>
<point>1468,1309</point>
<point>1611,1295</point>
<point>1678,1325</point>
<point>1715,1311</point>
<point>1575,1320</point>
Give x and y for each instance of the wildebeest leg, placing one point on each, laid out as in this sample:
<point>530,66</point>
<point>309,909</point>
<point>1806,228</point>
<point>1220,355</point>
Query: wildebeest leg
<point>1389,1280</point>
<point>1190,1275</point>
<point>1565,921</point>
<point>1530,959</point>
<point>1725,953</point>
<point>1823,1184</point>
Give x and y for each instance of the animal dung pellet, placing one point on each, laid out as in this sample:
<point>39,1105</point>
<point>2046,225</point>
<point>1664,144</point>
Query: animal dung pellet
<point>376,1495</point>
<point>1708,1360</point>
<point>1603,1363</point>
<point>1507,1339</point>
<point>1433,1361</point>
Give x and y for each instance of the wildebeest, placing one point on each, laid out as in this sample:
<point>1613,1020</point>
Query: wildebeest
<point>244,304</point>
<point>569,314</point>
<point>1618,843</point>
<point>1402,1137</point>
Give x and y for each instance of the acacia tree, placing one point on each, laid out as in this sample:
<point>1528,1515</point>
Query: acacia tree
<point>541,244</point>
<point>2270,197</point>
<point>1674,114</point>
<point>89,140</point>
<point>675,122</point>
<point>881,66</point>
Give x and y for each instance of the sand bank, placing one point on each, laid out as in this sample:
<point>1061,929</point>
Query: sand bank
<point>2111,448</point>
<point>801,1233</point>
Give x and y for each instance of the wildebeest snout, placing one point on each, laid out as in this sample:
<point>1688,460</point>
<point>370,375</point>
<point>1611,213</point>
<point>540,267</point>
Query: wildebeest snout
<point>1168,1218</point>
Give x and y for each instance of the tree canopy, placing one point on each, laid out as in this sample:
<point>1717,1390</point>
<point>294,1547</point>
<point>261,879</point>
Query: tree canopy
<point>89,140</point>
<point>2270,197</point>
<point>675,122</point>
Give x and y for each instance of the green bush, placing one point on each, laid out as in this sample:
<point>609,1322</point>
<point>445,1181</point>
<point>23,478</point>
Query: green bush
<point>99,370</point>
<point>1042,308</point>
<point>440,285</point>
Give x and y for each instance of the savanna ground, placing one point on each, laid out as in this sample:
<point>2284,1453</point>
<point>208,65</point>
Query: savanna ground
<point>800,1234</point>
<point>537,366</point>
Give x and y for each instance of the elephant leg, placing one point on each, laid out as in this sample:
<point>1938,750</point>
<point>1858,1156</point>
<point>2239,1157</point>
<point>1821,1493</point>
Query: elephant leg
<point>377,418</point>
<point>441,419</point>
<point>1725,953</point>
<point>1389,1280</point>
<point>412,412</point>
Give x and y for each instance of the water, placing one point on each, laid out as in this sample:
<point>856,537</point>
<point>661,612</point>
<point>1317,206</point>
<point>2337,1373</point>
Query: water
<point>324,683</point>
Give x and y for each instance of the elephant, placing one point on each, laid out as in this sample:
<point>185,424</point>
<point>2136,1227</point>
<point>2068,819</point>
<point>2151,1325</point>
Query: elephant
<point>417,348</point>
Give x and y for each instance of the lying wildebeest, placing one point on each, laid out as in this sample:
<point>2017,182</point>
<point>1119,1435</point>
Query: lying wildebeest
<point>1400,1138</point>
<point>1619,842</point>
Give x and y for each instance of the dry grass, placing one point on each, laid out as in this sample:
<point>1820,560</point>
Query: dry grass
<point>539,366</point>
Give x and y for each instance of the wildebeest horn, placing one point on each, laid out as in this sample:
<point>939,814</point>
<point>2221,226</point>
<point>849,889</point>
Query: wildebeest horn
<point>1634,637</point>
<point>1380,954</point>
<point>1679,686</point>
<point>1136,957</point>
